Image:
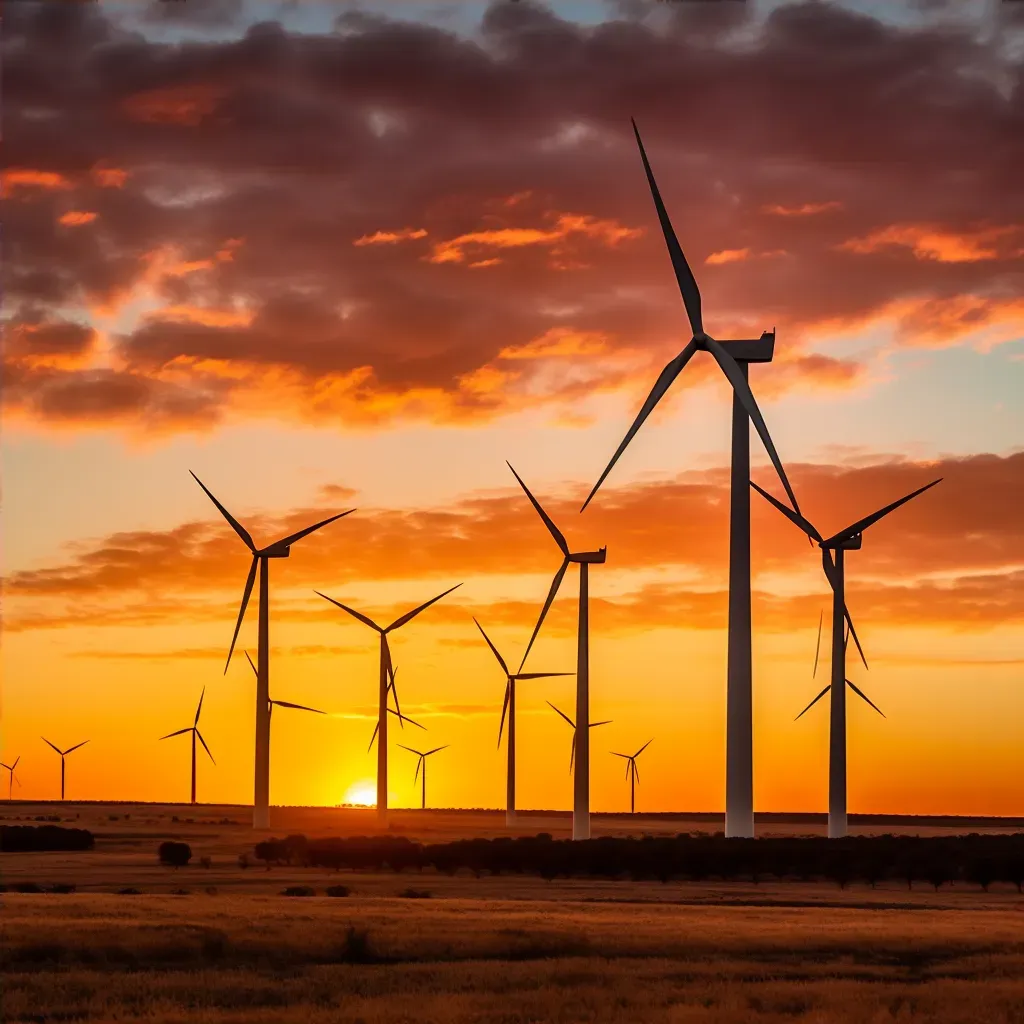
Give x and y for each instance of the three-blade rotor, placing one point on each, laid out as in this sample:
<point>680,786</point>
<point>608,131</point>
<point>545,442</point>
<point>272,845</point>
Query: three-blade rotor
<point>593,725</point>
<point>194,727</point>
<point>422,755</point>
<point>631,768</point>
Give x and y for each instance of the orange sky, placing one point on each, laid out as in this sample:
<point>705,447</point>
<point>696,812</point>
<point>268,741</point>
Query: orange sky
<point>323,282</point>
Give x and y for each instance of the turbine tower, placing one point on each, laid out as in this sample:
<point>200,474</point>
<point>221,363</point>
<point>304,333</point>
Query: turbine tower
<point>633,773</point>
<point>261,558</point>
<point>12,778</point>
<point>733,357</point>
<point>833,551</point>
<point>63,754</point>
<point>386,684</point>
<point>509,707</point>
<point>196,734</point>
<point>422,763</point>
<point>575,734</point>
<point>581,780</point>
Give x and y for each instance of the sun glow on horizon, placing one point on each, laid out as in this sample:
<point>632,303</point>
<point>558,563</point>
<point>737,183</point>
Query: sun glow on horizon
<point>361,794</point>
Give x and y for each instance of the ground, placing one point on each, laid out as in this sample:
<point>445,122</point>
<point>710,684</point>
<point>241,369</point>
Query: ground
<point>222,944</point>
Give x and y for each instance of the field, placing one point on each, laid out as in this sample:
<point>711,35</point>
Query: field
<point>222,944</point>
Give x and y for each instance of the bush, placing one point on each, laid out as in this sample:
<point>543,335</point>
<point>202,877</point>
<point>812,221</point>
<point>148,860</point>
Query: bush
<point>414,894</point>
<point>174,855</point>
<point>44,838</point>
<point>357,947</point>
<point>181,892</point>
<point>338,890</point>
<point>28,887</point>
<point>205,862</point>
<point>129,891</point>
<point>62,888</point>
<point>298,890</point>
<point>243,861</point>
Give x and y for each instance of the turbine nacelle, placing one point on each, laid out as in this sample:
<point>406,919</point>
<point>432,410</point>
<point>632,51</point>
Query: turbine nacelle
<point>853,543</point>
<point>275,552</point>
<point>591,557</point>
<point>746,350</point>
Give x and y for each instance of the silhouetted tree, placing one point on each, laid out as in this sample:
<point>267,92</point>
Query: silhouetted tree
<point>174,855</point>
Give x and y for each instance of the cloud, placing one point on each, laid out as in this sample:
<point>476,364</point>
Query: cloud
<point>933,243</point>
<point>390,237</point>
<point>802,210</point>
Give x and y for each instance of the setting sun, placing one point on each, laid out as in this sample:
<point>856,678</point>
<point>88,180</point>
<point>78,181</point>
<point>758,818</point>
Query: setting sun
<point>361,794</point>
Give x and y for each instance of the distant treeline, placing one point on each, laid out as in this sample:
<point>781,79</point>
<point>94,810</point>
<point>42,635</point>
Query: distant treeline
<point>43,838</point>
<point>980,859</point>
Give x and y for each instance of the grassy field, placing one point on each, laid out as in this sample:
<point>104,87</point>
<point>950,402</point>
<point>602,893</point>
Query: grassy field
<point>231,948</point>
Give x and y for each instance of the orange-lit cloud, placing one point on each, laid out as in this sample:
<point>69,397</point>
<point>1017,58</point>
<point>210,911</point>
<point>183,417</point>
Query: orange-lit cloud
<point>390,237</point>
<point>728,256</point>
<point>109,177</point>
<point>23,177</point>
<point>74,218</point>
<point>187,105</point>
<point>928,242</point>
<point>803,210</point>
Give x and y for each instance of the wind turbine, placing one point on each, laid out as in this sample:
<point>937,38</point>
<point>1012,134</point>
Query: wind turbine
<point>396,710</point>
<point>633,773</point>
<point>196,734</point>
<point>63,754</point>
<point>509,707</point>
<point>575,732</point>
<point>11,778</point>
<point>733,357</point>
<point>385,686</point>
<point>261,557</point>
<point>581,781</point>
<point>422,763</point>
<point>833,550</point>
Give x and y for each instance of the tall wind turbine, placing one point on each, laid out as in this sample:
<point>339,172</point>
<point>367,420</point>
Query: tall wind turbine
<point>422,763</point>
<point>261,557</point>
<point>196,734</point>
<point>575,734</point>
<point>581,780</point>
<point>11,778</point>
<point>385,686</point>
<point>633,773</point>
<point>733,357</point>
<point>63,754</point>
<point>509,707</point>
<point>833,551</point>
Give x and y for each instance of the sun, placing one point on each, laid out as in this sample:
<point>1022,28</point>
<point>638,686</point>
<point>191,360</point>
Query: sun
<point>361,794</point>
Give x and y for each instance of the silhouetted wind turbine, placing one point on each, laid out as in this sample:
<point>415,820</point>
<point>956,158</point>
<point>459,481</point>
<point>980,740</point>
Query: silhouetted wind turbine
<point>575,731</point>
<point>385,686</point>
<point>261,557</point>
<point>633,773</point>
<point>12,778</point>
<point>196,734</point>
<point>63,754</point>
<point>422,763</point>
<point>509,707</point>
<point>833,551</point>
<point>396,710</point>
<point>581,780</point>
<point>733,357</point>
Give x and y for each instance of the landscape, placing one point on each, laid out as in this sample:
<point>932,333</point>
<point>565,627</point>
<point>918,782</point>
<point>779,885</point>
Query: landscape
<point>512,511</point>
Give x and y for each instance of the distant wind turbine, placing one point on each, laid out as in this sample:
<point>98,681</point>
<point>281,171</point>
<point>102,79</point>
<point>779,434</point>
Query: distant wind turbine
<point>509,707</point>
<point>633,773</point>
<point>581,780</point>
<point>196,734</point>
<point>12,778</point>
<point>261,557</point>
<point>63,754</point>
<point>422,763</point>
<point>575,731</point>
<point>733,358</point>
<point>833,551</point>
<point>386,684</point>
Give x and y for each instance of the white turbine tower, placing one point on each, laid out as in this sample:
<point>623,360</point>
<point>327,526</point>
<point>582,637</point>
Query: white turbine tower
<point>260,558</point>
<point>833,550</point>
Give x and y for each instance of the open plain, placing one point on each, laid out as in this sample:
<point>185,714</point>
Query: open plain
<point>137,941</point>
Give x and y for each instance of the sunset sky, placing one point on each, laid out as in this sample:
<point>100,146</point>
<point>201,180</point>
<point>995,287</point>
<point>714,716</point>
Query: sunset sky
<point>334,256</point>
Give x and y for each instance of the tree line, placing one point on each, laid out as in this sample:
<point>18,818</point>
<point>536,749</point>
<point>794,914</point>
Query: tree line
<point>44,838</point>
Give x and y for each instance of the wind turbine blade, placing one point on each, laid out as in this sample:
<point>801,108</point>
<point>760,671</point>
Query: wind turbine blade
<point>794,517</point>
<point>419,764</point>
<point>643,748</point>
<point>418,753</point>
<point>255,671</point>
<point>389,667</point>
<point>199,707</point>
<point>494,650</point>
<point>552,529</point>
<point>741,387</point>
<point>376,727</point>
<point>235,524</point>
<point>860,693</point>
<point>250,580</point>
<point>75,747</point>
<point>49,744</point>
<point>436,749</point>
<point>563,714</point>
<point>661,385</point>
<point>684,275</point>
<point>297,707</point>
<point>406,718</point>
<point>293,537</point>
<point>813,702</point>
<point>617,754</point>
<point>541,675</point>
<point>830,574</point>
<point>345,608</point>
<point>862,524</point>
<point>594,725</point>
<point>636,770</point>
<point>552,591</point>
<point>199,735</point>
<point>402,620</point>
<point>817,646</point>
<point>629,767</point>
<point>504,710</point>
<point>178,733</point>
<point>853,633</point>
<point>16,760</point>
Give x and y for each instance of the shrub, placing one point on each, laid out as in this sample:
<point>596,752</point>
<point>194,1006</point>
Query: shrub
<point>62,888</point>
<point>243,861</point>
<point>44,838</point>
<point>180,892</point>
<point>28,887</point>
<point>298,890</point>
<point>205,862</point>
<point>357,947</point>
<point>414,894</point>
<point>338,890</point>
<point>174,855</point>
<point>129,891</point>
